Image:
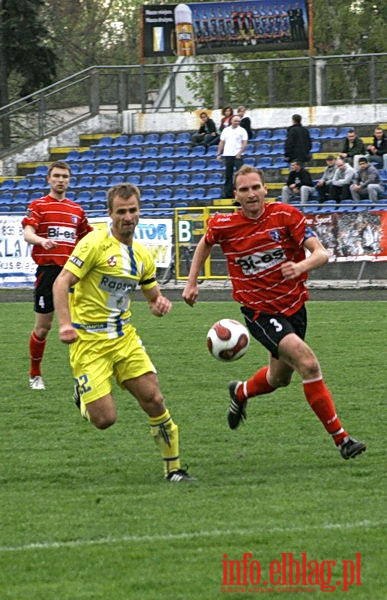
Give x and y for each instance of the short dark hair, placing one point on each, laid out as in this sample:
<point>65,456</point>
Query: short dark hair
<point>297,118</point>
<point>123,190</point>
<point>58,164</point>
<point>363,159</point>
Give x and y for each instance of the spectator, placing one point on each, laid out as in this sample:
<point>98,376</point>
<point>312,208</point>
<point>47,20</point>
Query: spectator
<point>225,121</point>
<point>323,185</point>
<point>342,180</point>
<point>233,141</point>
<point>298,143</point>
<point>367,182</point>
<point>299,184</point>
<point>377,151</point>
<point>353,146</point>
<point>206,134</point>
<point>245,121</point>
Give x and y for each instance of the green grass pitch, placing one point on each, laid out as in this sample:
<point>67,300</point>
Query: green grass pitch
<point>86,514</point>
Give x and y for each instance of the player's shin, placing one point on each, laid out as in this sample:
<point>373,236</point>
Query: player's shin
<point>166,436</point>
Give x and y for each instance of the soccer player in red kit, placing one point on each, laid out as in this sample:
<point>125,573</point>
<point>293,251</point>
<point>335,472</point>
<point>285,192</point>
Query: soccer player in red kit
<point>264,245</point>
<point>53,225</point>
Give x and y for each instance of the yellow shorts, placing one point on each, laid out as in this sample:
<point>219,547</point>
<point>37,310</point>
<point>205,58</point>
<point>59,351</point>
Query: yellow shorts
<point>95,359</point>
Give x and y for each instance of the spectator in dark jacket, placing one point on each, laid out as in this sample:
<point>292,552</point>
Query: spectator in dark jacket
<point>377,151</point>
<point>245,121</point>
<point>206,133</point>
<point>298,143</point>
<point>353,146</point>
<point>299,184</point>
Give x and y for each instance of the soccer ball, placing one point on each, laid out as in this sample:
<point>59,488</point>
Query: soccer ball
<point>228,340</point>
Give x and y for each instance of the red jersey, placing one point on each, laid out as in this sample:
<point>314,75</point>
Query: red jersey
<point>62,221</point>
<point>255,249</point>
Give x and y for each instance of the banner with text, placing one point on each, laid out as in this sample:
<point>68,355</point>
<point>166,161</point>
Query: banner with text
<point>220,27</point>
<point>17,269</point>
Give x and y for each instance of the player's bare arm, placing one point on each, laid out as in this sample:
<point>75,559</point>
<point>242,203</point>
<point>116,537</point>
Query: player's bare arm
<point>191,290</point>
<point>31,237</point>
<point>159,305</point>
<point>317,258</point>
<point>65,280</point>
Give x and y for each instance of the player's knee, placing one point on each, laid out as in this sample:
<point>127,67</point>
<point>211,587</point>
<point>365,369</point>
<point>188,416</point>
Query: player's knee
<point>103,421</point>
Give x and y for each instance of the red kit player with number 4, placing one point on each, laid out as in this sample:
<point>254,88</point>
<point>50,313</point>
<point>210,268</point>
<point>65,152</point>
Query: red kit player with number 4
<point>264,245</point>
<point>53,225</point>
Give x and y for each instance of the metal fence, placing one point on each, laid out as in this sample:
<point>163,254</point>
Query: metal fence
<point>306,81</point>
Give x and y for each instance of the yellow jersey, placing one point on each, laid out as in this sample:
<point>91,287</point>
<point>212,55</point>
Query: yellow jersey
<point>108,272</point>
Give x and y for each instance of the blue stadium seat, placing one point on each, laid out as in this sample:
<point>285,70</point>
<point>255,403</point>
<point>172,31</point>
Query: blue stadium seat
<point>183,138</point>
<point>87,169</point>
<point>212,150</point>
<point>167,138</point>
<point>119,154</point>
<point>73,156</point>
<point>181,193</point>
<point>116,179</point>
<point>134,153</point>
<point>150,165</point>
<point>134,166</point>
<point>314,133</point>
<point>214,165</point>
<point>21,198</point>
<point>118,168</point>
<point>149,179</point>
<point>136,139</point>
<point>103,154</point>
<point>197,194</point>
<point>86,156</point>
<point>150,152</point>
<point>278,148</point>
<point>262,135</point>
<point>101,181</point>
<point>38,183</point>
<point>83,196</point>
<point>346,205</point>
<point>23,184</point>
<point>99,196</point>
<point>8,184</point>
<point>278,135</point>
<point>214,178</point>
<point>280,163</point>
<point>166,152</point>
<point>316,147</point>
<point>121,140</point>
<point>181,151</point>
<point>6,197</point>
<point>342,132</point>
<point>165,166</point>
<point>148,194</point>
<point>102,168</point>
<point>134,179</point>
<point>197,151</point>
<point>249,160</point>
<point>197,178</point>
<point>198,164</point>
<point>165,179</point>
<point>328,133</point>
<point>164,194</point>
<point>40,193</point>
<point>181,164</point>
<point>263,149</point>
<point>84,181</point>
<point>214,193</point>
<point>181,179</point>
<point>105,142</point>
<point>41,171</point>
<point>151,139</point>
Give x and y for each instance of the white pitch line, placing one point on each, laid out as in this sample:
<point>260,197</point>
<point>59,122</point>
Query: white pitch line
<point>186,535</point>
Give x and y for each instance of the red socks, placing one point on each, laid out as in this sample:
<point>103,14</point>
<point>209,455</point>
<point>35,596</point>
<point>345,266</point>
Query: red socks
<point>255,386</point>
<point>37,346</point>
<point>321,402</point>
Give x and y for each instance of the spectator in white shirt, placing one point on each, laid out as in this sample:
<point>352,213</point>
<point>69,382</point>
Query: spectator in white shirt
<point>233,141</point>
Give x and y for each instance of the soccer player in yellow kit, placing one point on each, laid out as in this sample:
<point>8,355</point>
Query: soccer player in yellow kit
<point>95,319</point>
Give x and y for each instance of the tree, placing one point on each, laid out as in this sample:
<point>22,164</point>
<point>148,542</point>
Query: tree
<point>28,62</point>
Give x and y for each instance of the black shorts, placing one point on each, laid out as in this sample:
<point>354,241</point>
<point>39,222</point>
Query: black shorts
<point>45,277</point>
<point>269,330</point>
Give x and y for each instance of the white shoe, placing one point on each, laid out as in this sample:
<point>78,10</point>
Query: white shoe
<point>37,383</point>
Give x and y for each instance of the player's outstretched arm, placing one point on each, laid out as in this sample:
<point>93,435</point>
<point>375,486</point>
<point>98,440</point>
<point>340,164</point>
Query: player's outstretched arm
<point>191,290</point>
<point>317,258</point>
